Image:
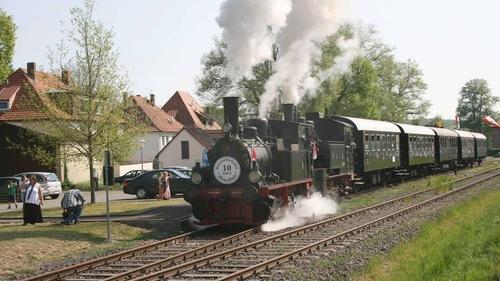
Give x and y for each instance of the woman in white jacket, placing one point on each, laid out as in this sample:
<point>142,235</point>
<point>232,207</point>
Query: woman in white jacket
<point>32,212</point>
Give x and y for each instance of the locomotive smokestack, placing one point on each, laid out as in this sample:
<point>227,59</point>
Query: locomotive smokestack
<point>231,112</point>
<point>289,112</point>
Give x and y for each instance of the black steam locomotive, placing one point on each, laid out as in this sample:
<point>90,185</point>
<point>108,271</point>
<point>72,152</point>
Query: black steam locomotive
<point>263,165</point>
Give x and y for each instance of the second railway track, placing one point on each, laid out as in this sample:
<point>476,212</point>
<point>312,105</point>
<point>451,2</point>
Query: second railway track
<point>246,253</point>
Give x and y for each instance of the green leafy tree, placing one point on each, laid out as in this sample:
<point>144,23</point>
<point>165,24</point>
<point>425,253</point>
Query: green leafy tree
<point>377,86</point>
<point>475,101</point>
<point>7,44</point>
<point>214,82</point>
<point>97,114</point>
<point>396,88</point>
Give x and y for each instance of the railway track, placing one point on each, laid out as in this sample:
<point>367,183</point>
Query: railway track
<point>246,253</point>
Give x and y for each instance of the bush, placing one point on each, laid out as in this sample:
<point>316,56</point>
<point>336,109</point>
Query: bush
<point>67,184</point>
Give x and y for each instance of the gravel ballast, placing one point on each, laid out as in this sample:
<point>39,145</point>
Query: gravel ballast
<point>341,262</point>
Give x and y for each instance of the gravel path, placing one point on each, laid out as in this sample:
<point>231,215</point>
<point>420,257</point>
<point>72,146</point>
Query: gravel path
<point>340,262</point>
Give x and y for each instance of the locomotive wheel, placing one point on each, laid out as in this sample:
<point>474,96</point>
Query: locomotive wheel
<point>198,211</point>
<point>260,210</point>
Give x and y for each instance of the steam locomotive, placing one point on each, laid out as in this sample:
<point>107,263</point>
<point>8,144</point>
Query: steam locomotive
<point>261,166</point>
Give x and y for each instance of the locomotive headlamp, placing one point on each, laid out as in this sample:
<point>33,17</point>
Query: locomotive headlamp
<point>254,176</point>
<point>196,178</point>
<point>227,128</point>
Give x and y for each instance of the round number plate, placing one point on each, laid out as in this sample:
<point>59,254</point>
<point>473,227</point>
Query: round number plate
<point>227,170</point>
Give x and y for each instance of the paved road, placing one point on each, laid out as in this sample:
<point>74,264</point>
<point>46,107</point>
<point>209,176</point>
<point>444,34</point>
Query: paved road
<point>53,203</point>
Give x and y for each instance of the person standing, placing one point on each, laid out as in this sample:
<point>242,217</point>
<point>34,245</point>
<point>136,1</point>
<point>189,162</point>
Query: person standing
<point>32,212</point>
<point>95,179</point>
<point>166,191</point>
<point>72,203</point>
<point>12,192</point>
<point>22,186</point>
<point>161,185</point>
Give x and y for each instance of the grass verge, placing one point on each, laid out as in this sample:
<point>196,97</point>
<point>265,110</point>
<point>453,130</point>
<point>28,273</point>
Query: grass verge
<point>118,207</point>
<point>442,182</point>
<point>25,249</point>
<point>463,244</point>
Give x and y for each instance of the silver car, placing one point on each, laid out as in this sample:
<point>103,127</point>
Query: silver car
<point>50,183</point>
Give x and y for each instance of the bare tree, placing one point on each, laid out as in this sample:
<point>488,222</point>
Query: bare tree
<point>94,114</point>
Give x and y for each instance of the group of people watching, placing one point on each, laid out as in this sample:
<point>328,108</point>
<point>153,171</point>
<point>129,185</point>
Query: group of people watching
<point>32,198</point>
<point>72,202</point>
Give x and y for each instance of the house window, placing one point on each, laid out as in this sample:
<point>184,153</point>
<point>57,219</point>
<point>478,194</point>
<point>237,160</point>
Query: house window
<point>4,105</point>
<point>184,149</point>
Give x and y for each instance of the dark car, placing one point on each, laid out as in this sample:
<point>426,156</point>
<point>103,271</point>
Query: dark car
<point>146,184</point>
<point>4,183</point>
<point>128,175</point>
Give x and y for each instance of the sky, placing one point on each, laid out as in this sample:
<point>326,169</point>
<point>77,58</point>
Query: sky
<point>161,43</point>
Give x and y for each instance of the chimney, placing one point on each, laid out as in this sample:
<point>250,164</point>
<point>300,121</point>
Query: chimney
<point>65,76</point>
<point>289,112</point>
<point>231,112</point>
<point>152,99</point>
<point>31,66</point>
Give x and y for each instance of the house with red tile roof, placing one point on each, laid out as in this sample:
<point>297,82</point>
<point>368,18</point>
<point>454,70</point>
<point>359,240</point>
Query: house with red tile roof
<point>187,147</point>
<point>22,96</point>
<point>162,127</point>
<point>183,107</point>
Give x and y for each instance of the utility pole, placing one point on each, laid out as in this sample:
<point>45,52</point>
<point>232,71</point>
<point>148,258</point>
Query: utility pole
<point>107,164</point>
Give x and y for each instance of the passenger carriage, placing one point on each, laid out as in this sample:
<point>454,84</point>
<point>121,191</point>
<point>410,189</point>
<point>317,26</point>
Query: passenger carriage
<point>466,147</point>
<point>446,147</point>
<point>417,148</point>
<point>377,148</point>
<point>480,147</point>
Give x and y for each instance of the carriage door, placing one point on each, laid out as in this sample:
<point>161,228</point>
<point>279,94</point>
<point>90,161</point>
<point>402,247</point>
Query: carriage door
<point>349,153</point>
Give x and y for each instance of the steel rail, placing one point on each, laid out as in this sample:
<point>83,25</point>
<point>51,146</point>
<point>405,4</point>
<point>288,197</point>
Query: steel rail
<point>57,274</point>
<point>253,270</point>
<point>182,257</point>
<point>181,268</point>
<point>204,249</point>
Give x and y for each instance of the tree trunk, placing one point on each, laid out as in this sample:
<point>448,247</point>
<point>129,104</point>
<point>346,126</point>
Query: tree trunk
<point>92,191</point>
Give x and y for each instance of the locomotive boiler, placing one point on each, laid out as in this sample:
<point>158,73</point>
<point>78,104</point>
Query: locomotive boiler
<point>255,169</point>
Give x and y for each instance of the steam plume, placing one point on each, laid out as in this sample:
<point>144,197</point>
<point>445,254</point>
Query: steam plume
<point>307,23</point>
<point>246,32</point>
<point>305,211</point>
<point>349,50</point>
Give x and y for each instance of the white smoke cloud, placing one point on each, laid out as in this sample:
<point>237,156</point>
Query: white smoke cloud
<point>350,49</point>
<point>306,210</point>
<point>245,31</point>
<point>308,22</point>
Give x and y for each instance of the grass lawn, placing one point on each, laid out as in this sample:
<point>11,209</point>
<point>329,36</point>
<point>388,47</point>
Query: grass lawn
<point>463,244</point>
<point>120,207</point>
<point>27,248</point>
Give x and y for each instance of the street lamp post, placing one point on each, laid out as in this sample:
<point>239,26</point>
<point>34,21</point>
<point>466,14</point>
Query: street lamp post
<point>142,160</point>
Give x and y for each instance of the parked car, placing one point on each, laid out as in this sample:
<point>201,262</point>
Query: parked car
<point>185,170</point>
<point>4,184</point>
<point>146,185</point>
<point>129,175</point>
<point>50,183</point>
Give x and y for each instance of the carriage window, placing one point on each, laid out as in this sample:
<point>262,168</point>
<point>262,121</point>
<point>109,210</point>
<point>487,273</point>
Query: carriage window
<point>366,142</point>
<point>372,142</point>
<point>379,144</point>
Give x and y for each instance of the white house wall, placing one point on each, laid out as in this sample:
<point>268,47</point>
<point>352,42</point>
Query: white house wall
<point>152,146</point>
<point>171,155</point>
